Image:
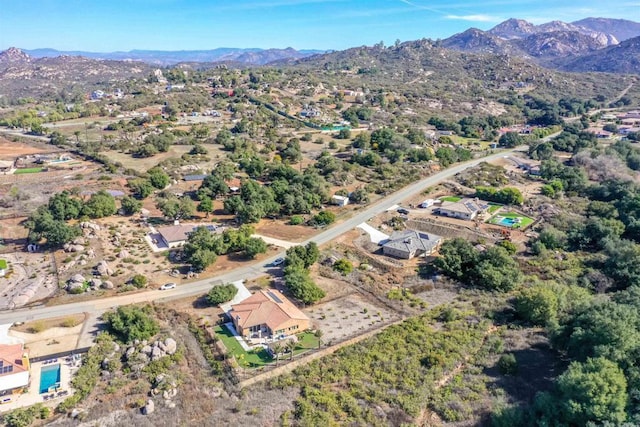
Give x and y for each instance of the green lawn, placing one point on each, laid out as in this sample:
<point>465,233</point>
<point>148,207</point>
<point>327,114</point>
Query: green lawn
<point>255,359</point>
<point>525,221</point>
<point>3,264</point>
<point>493,207</point>
<point>27,170</point>
<point>451,199</point>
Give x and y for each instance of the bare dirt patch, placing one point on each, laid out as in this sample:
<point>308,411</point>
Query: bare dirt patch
<point>10,150</point>
<point>347,317</point>
<point>280,230</point>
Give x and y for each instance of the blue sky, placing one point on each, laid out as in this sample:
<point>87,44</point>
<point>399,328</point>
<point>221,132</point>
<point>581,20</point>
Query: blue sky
<point>110,25</point>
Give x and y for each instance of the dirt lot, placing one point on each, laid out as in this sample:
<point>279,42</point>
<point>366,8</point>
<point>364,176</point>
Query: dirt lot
<point>10,150</point>
<point>144,164</point>
<point>280,230</point>
<point>347,317</point>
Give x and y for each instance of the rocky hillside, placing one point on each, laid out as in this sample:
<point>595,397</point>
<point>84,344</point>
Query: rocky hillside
<point>622,58</point>
<point>621,29</point>
<point>555,44</point>
<point>22,75</point>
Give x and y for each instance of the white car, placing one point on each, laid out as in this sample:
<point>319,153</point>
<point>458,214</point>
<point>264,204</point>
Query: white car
<point>167,286</point>
<point>276,262</point>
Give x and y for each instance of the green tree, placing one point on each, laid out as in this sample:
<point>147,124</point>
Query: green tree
<point>457,258</point>
<point>323,218</point>
<point>255,246</point>
<point>140,187</point>
<point>130,205</point>
<point>205,205</point>
<point>593,392</point>
<point>198,149</point>
<point>158,178</point>
<point>496,270</point>
<point>511,139</point>
<point>176,208</point>
<point>63,207</point>
<point>130,323</point>
<point>538,305</point>
<point>100,205</point>
<point>221,294</point>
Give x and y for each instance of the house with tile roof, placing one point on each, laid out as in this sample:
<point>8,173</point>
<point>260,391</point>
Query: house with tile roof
<point>463,209</point>
<point>14,368</point>
<point>268,314</point>
<point>408,244</point>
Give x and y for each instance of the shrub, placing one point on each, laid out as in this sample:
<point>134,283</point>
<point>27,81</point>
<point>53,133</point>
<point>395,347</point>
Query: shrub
<point>296,220</point>
<point>139,281</point>
<point>221,294</point>
<point>129,323</point>
<point>344,266</point>
<point>508,364</point>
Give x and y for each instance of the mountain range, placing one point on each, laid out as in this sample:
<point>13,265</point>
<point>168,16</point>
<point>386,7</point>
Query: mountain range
<point>250,56</point>
<point>592,44</point>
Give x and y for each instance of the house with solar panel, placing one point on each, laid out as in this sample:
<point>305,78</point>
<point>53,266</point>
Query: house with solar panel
<point>267,314</point>
<point>408,244</point>
<point>467,209</point>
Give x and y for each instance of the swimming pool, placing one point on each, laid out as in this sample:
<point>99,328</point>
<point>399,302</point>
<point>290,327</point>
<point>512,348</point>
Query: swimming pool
<point>508,222</point>
<point>49,378</point>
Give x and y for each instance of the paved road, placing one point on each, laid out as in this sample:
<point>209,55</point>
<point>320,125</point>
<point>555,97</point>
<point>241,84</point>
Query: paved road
<point>247,272</point>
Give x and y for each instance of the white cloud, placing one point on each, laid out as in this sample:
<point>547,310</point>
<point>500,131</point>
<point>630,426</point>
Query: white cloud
<point>475,18</point>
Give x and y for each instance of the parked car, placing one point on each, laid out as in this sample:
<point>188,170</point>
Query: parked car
<point>167,286</point>
<point>402,211</point>
<point>278,261</point>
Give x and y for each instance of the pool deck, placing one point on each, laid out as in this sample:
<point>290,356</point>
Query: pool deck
<point>33,396</point>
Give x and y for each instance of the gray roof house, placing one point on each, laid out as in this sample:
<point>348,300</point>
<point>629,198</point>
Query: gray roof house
<point>410,243</point>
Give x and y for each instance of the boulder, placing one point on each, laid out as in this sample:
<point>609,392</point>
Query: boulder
<point>146,349</point>
<point>105,363</point>
<point>108,284</point>
<point>95,283</point>
<point>130,352</point>
<point>105,374</point>
<point>77,278</point>
<point>103,268</point>
<point>156,353</point>
<point>170,345</point>
<point>79,241</point>
<point>148,408</point>
<point>123,254</point>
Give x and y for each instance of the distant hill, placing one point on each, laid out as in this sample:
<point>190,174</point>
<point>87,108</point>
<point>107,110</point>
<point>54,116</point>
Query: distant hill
<point>622,58</point>
<point>248,56</point>
<point>555,44</point>
<point>23,75</point>
<point>622,29</point>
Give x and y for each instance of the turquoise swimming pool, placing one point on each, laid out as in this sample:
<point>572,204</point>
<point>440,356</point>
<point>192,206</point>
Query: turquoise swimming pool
<point>49,378</point>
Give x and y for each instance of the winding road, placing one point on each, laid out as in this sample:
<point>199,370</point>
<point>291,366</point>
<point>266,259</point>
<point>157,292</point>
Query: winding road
<point>99,306</point>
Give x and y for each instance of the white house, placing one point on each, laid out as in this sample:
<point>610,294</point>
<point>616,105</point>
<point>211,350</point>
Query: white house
<point>339,200</point>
